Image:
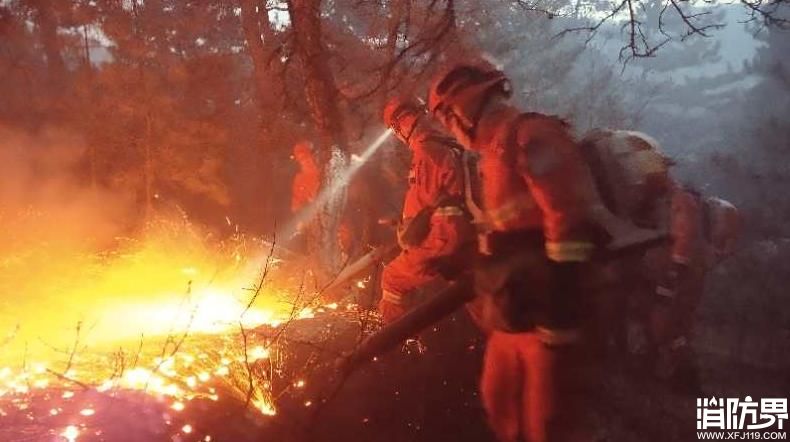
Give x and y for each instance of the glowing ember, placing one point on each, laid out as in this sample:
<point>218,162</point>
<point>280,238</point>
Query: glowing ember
<point>163,321</point>
<point>70,433</point>
<point>258,353</point>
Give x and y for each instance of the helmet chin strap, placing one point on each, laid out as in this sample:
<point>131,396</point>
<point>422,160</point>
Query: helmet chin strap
<point>407,137</point>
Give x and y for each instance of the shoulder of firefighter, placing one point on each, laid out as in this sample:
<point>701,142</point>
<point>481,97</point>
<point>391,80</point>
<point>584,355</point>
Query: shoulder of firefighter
<point>531,168</point>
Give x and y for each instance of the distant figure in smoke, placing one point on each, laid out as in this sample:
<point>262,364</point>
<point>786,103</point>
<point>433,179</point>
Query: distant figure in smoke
<point>435,234</point>
<point>669,281</point>
<point>704,231</point>
<point>306,185</point>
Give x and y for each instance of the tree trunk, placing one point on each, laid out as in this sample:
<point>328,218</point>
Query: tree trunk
<point>320,88</point>
<point>48,32</point>
<point>251,19</point>
<point>322,98</point>
<point>251,24</point>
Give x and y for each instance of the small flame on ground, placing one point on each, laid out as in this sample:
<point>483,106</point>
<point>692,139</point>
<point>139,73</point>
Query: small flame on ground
<point>265,407</point>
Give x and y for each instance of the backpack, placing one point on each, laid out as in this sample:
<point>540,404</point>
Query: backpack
<point>629,170</point>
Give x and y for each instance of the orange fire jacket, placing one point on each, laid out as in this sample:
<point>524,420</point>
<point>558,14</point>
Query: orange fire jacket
<point>531,173</point>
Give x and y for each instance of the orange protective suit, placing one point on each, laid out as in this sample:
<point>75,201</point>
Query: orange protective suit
<point>305,187</point>
<point>530,298</point>
<point>307,180</point>
<point>539,200</point>
<point>703,231</point>
<point>435,185</point>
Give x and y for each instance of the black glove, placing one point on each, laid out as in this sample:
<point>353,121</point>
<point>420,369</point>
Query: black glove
<point>563,308</point>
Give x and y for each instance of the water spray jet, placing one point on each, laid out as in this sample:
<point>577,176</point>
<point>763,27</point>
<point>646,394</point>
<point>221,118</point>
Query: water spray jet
<point>335,185</point>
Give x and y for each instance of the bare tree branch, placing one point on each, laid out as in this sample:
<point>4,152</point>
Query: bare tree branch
<point>768,12</point>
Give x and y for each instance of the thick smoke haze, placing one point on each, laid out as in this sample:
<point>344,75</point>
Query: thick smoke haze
<point>72,253</point>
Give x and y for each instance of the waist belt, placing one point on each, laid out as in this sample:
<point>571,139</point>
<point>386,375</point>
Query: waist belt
<point>492,243</point>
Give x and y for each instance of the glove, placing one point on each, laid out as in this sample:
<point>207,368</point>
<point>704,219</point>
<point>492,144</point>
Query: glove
<point>563,308</point>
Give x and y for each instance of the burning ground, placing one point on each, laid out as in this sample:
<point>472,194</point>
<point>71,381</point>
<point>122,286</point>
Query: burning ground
<point>179,337</point>
<point>174,332</point>
<point>134,339</point>
<point>230,341</point>
<point>113,331</point>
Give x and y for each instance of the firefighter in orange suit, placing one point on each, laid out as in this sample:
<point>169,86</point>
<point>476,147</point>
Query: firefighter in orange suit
<point>307,181</point>
<point>435,233</point>
<point>703,232</point>
<point>304,190</point>
<point>538,240</point>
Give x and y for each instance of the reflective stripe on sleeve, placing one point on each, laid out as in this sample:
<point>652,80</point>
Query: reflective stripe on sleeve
<point>448,211</point>
<point>556,337</point>
<point>665,292</point>
<point>569,251</point>
<point>503,215</point>
<point>391,297</point>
